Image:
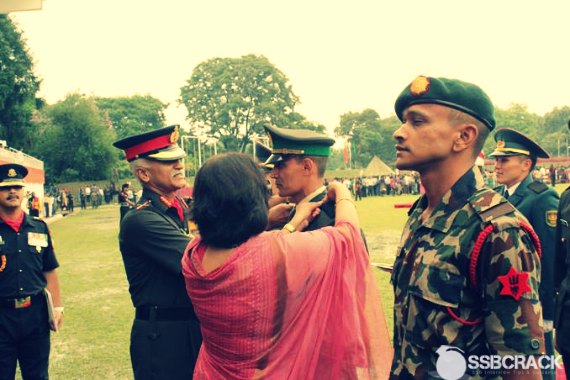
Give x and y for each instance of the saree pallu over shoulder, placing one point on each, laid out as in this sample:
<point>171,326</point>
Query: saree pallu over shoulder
<point>290,306</point>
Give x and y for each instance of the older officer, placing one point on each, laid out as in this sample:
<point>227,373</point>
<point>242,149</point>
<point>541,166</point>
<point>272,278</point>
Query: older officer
<point>467,272</point>
<point>299,159</point>
<point>27,266</point>
<point>515,158</point>
<point>562,279</point>
<point>165,337</point>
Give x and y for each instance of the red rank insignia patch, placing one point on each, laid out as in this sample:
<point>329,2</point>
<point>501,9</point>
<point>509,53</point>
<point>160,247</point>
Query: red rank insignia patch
<point>515,284</point>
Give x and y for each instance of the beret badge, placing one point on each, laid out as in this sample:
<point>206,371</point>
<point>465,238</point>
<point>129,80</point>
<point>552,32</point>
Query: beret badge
<point>419,86</point>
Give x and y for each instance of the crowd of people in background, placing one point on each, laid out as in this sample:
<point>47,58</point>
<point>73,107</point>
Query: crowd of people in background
<point>402,183</point>
<point>394,184</point>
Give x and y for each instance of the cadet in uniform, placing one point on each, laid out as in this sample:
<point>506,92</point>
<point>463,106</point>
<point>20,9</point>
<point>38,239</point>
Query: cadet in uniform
<point>467,271</point>
<point>27,266</point>
<point>562,279</point>
<point>165,337</point>
<point>299,159</point>
<point>515,158</point>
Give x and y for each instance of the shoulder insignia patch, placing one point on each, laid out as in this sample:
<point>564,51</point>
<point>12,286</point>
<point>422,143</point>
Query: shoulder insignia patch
<point>2,263</point>
<point>515,284</point>
<point>143,205</point>
<point>538,187</point>
<point>551,216</point>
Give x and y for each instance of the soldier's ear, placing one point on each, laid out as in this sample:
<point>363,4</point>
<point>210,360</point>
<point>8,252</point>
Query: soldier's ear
<point>142,174</point>
<point>467,136</point>
<point>308,165</point>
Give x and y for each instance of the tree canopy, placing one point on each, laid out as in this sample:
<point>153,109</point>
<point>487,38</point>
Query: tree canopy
<point>18,87</point>
<point>232,98</point>
<point>75,142</point>
<point>364,132</point>
<point>133,114</point>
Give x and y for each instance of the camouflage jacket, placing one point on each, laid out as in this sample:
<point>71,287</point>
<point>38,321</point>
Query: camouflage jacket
<point>435,302</point>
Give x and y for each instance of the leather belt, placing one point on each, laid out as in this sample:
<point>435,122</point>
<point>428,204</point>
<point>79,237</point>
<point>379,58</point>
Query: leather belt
<point>20,303</point>
<point>150,313</point>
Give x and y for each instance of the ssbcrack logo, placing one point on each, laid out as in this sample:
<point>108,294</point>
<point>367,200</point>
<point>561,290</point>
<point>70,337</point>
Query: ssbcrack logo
<point>451,364</point>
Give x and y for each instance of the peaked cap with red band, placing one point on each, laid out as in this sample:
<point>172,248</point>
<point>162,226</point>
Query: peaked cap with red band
<point>160,144</point>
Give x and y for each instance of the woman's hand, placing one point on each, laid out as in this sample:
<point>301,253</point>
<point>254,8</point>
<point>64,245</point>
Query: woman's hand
<point>305,213</point>
<point>279,214</point>
<point>337,190</point>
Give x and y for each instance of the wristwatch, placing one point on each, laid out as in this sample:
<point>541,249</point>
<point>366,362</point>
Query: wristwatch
<point>289,227</point>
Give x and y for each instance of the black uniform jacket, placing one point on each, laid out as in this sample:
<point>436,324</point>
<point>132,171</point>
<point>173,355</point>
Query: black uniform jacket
<point>152,242</point>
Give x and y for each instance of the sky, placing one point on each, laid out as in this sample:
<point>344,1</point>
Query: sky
<point>339,56</point>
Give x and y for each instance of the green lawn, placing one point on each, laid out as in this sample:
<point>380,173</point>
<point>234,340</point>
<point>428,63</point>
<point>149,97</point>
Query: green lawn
<point>94,341</point>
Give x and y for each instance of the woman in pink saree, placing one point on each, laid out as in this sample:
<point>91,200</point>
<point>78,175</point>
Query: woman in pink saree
<point>280,304</point>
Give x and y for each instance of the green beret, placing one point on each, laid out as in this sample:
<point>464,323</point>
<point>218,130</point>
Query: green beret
<point>12,175</point>
<point>453,93</point>
<point>303,142</point>
<point>512,143</point>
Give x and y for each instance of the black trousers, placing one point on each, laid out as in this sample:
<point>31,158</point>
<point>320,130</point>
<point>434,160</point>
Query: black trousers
<point>25,338</point>
<point>164,349</point>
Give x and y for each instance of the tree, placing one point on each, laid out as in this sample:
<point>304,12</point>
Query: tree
<point>232,98</point>
<point>387,145</point>
<point>364,131</point>
<point>18,88</point>
<point>557,120</point>
<point>76,142</point>
<point>133,115</point>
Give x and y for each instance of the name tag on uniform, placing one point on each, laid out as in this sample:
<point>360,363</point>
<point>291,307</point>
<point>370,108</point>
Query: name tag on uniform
<point>37,240</point>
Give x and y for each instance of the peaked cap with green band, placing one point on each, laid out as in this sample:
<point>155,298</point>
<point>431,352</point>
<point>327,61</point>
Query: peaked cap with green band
<point>453,93</point>
<point>297,142</point>
<point>513,143</point>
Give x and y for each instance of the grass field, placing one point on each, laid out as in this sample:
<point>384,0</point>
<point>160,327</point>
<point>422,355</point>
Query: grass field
<point>94,341</point>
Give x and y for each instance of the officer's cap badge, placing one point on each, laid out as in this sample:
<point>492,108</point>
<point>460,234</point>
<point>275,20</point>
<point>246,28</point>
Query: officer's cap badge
<point>420,86</point>
<point>500,144</point>
<point>11,173</point>
<point>174,135</point>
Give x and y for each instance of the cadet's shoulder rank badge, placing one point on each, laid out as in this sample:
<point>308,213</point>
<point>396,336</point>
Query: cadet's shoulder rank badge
<point>2,263</point>
<point>515,284</point>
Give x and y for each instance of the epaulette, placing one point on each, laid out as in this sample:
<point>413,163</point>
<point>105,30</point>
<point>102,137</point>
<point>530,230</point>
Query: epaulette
<point>38,219</point>
<point>143,205</point>
<point>488,205</point>
<point>414,206</point>
<point>538,187</point>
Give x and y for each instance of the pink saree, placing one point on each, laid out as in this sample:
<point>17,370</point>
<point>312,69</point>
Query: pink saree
<point>290,306</point>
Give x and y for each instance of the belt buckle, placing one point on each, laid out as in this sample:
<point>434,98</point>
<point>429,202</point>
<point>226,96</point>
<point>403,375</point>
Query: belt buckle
<point>21,303</point>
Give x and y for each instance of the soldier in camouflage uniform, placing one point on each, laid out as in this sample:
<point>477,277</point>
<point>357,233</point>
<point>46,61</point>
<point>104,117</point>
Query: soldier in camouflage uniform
<point>467,271</point>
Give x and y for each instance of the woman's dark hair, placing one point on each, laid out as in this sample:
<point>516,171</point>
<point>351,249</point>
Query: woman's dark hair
<point>125,186</point>
<point>230,200</point>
